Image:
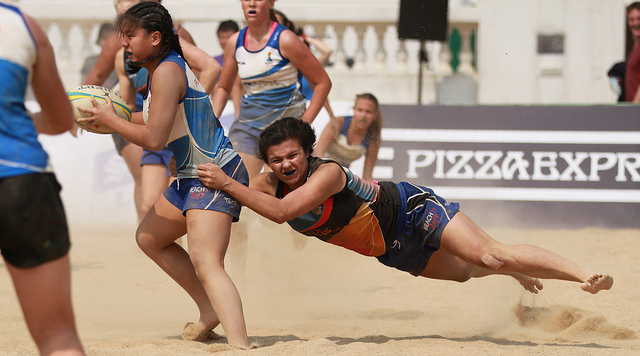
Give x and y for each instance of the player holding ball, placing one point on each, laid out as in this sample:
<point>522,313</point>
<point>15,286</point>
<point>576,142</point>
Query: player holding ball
<point>177,112</point>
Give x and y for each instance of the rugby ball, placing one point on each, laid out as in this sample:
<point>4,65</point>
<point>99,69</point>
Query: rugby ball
<point>81,96</point>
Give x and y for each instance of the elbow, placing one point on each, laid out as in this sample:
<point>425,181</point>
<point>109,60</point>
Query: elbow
<point>156,145</point>
<point>61,127</point>
<point>280,217</point>
<point>328,83</point>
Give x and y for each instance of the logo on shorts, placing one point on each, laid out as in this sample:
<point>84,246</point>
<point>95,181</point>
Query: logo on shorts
<point>431,220</point>
<point>231,201</point>
<point>198,192</point>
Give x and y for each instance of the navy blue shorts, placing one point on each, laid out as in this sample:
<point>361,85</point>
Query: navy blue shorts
<point>157,157</point>
<point>422,217</point>
<point>190,193</point>
<point>33,225</point>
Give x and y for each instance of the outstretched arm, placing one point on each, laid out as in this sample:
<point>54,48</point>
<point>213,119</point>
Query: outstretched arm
<point>327,180</point>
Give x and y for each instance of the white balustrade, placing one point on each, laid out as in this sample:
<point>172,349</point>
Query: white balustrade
<point>367,56</point>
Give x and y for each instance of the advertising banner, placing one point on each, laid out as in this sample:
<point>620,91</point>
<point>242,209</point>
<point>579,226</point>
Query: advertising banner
<point>520,166</point>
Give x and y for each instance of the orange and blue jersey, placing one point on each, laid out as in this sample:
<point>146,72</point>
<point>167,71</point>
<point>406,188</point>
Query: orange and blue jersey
<point>400,224</point>
<point>349,218</point>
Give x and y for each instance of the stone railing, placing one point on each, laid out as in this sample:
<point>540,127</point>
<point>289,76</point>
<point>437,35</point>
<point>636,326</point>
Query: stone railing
<point>367,56</point>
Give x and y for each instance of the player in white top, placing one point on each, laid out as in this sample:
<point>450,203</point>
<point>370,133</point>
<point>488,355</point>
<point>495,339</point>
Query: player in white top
<point>34,237</point>
<point>270,60</point>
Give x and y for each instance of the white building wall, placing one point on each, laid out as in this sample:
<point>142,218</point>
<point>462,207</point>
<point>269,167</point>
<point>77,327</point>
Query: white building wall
<point>512,72</point>
<point>98,189</point>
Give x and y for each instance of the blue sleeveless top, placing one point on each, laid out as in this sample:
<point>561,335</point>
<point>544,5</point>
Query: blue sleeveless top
<point>197,136</point>
<point>20,151</point>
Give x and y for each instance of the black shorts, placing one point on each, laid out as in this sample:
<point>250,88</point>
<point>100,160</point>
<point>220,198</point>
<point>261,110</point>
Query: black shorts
<point>33,226</point>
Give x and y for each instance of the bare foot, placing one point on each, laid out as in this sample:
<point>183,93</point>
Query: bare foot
<point>531,284</point>
<point>193,332</point>
<point>597,282</point>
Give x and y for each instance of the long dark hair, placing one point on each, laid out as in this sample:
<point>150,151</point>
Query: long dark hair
<point>629,36</point>
<point>285,129</point>
<point>151,16</point>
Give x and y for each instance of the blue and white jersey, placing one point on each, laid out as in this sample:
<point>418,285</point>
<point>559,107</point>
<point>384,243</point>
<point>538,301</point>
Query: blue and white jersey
<point>272,82</point>
<point>196,136</point>
<point>20,151</point>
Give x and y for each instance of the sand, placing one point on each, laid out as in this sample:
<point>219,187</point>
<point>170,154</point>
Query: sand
<point>305,297</point>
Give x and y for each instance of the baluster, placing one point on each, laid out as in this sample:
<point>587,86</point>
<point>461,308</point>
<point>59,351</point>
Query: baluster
<point>370,48</point>
<point>444,68</point>
<point>340,56</point>
<point>401,55</point>
<point>350,45</point>
<point>413,50</point>
<point>433,54</point>
<point>55,37</point>
<point>380,56</point>
<point>466,56</point>
<point>76,45</point>
<point>331,39</point>
<point>391,46</point>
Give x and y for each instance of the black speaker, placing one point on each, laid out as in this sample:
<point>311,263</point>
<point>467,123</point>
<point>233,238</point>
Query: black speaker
<point>423,20</point>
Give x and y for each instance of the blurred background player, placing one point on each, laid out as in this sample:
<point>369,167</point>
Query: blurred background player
<point>225,30</point>
<point>253,53</point>
<point>347,138</point>
<point>34,237</point>
<point>89,63</point>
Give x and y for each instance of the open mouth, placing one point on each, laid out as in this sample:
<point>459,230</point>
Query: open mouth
<point>128,53</point>
<point>252,12</point>
<point>289,173</point>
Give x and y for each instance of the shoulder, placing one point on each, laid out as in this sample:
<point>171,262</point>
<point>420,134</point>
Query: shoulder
<point>38,34</point>
<point>325,165</point>
<point>288,37</point>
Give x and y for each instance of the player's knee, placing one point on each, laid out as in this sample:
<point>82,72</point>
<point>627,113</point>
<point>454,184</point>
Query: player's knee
<point>144,241</point>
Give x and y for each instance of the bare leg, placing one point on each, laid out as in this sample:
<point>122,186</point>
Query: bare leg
<point>162,225</point>
<point>44,293</point>
<point>132,154</point>
<point>208,234</point>
<point>448,267</point>
<point>466,240</point>
<point>154,183</point>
